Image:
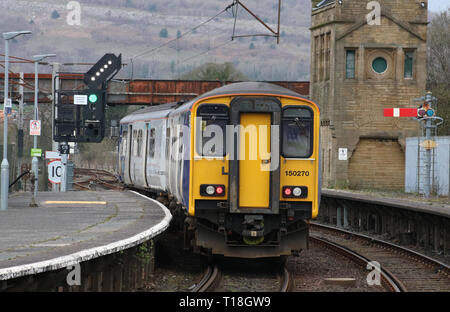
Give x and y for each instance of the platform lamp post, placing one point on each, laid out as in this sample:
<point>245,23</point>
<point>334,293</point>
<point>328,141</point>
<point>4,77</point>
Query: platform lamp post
<point>35,162</point>
<point>5,165</point>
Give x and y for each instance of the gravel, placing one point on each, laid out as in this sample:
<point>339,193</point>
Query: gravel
<point>312,266</point>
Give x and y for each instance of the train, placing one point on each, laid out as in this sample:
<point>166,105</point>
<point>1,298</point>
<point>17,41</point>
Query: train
<point>240,164</point>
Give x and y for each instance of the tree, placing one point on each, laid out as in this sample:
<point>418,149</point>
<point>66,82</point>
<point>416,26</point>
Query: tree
<point>164,33</point>
<point>439,49</point>
<point>55,14</point>
<point>438,79</point>
<point>211,71</point>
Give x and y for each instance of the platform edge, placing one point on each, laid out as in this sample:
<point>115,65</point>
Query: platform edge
<point>89,254</point>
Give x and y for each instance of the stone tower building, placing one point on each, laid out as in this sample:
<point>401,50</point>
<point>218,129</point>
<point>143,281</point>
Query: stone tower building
<point>366,56</point>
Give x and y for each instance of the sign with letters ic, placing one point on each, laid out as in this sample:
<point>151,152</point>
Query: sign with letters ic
<point>55,171</point>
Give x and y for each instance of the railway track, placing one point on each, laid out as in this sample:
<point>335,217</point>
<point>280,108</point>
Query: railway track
<point>213,279</point>
<point>88,179</point>
<point>402,269</point>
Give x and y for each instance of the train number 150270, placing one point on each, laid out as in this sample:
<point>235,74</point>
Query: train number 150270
<point>294,173</point>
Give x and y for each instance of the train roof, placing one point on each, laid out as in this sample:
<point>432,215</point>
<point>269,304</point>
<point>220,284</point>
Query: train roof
<point>251,87</point>
<point>151,112</point>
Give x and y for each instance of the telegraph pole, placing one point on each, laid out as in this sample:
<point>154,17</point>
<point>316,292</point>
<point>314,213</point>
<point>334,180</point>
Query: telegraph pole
<point>55,89</point>
<point>5,164</point>
<point>428,126</point>
<point>20,131</point>
<point>35,161</point>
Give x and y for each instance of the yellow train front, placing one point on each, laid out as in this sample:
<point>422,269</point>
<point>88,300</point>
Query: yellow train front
<point>254,177</point>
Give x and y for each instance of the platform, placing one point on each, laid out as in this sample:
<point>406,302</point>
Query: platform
<point>69,228</point>
<point>435,208</point>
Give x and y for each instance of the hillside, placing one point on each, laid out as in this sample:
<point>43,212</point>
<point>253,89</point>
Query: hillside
<point>133,26</point>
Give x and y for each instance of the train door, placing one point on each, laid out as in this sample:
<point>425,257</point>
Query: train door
<point>148,149</point>
<point>254,171</point>
<point>177,157</point>
<point>130,153</point>
<point>254,156</point>
<point>167,157</point>
<point>123,151</point>
<point>137,172</point>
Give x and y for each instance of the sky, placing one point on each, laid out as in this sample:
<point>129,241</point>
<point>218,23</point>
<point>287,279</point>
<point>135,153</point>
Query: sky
<point>438,5</point>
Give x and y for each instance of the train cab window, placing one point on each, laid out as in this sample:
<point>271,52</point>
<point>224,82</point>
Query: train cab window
<point>212,120</point>
<point>297,132</point>
<point>151,143</point>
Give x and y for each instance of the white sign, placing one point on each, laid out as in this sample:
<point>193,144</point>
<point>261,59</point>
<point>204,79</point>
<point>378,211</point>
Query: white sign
<point>52,155</point>
<point>35,127</point>
<point>8,103</point>
<point>80,99</point>
<point>342,154</point>
<point>55,171</point>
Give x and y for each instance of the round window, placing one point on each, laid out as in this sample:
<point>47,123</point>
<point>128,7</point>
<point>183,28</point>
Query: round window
<point>379,65</point>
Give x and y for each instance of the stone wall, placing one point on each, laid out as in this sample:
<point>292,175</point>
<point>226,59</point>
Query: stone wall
<point>352,108</point>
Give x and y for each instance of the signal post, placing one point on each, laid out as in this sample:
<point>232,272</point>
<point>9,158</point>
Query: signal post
<point>79,115</point>
<point>426,115</point>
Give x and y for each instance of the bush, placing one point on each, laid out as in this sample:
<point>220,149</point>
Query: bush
<point>55,14</point>
<point>164,33</point>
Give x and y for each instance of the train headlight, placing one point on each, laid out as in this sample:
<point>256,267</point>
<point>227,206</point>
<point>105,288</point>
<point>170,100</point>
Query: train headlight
<point>210,190</point>
<point>297,191</point>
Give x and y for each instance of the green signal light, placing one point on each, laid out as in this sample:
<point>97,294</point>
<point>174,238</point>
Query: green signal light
<point>93,98</point>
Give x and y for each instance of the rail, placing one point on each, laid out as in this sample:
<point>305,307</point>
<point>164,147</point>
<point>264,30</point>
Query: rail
<point>424,273</point>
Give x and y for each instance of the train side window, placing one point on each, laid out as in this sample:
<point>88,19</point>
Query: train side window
<point>212,120</point>
<point>139,143</point>
<point>151,143</point>
<point>135,145</point>
<point>123,146</point>
<point>181,143</point>
<point>167,142</point>
<point>297,132</point>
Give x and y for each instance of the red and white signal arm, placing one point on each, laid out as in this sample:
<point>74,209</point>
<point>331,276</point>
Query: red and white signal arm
<point>400,112</point>
<point>35,127</point>
<point>55,171</point>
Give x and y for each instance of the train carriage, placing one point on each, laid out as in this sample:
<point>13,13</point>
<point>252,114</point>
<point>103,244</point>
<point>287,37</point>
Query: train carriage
<point>243,162</point>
